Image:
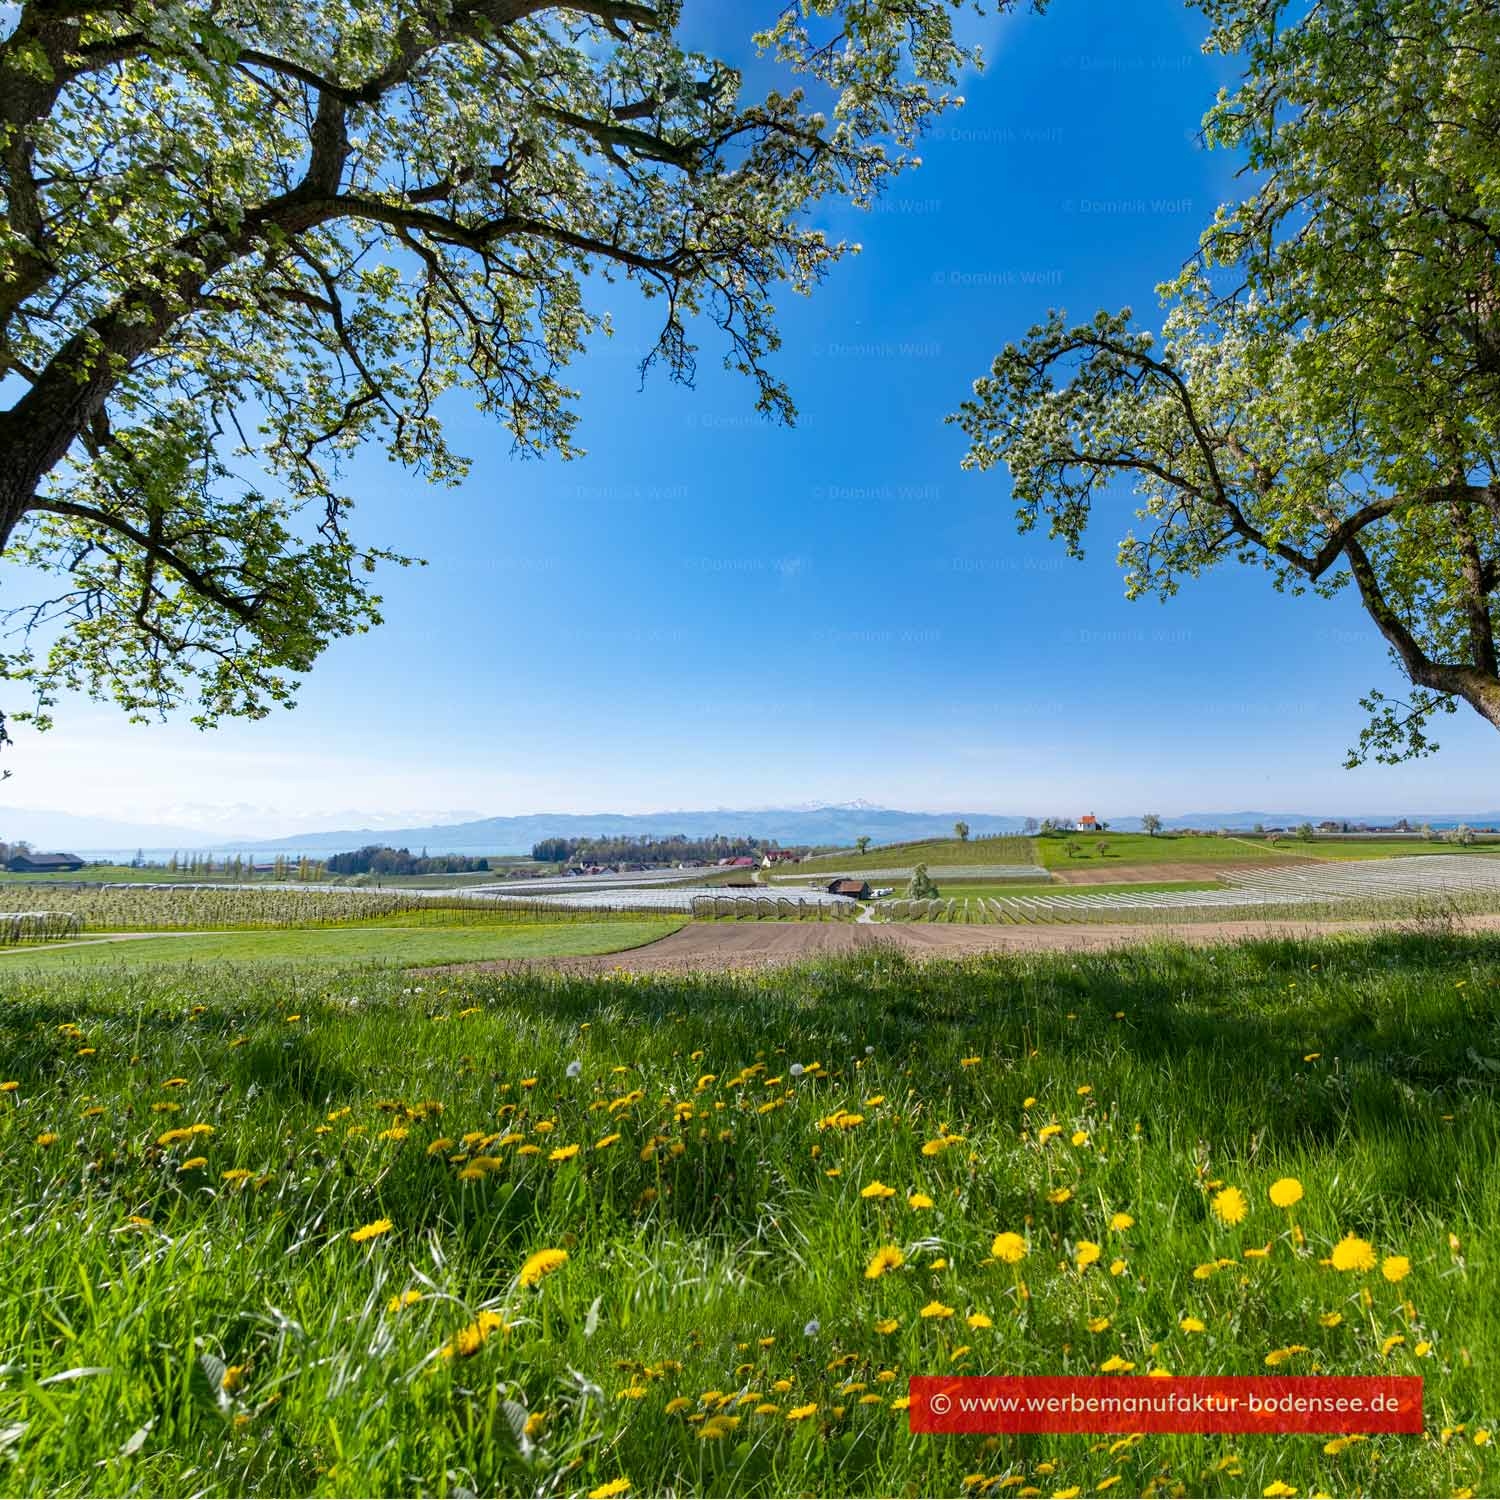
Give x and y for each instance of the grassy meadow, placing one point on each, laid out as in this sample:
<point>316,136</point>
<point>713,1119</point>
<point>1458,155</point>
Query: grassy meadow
<point>1000,850</point>
<point>310,1231</point>
<point>1164,848</point>
<point>429,943</point>
<point>959,889</point>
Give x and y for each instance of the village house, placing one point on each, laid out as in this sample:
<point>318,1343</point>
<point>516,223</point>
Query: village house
<point>777,857</point>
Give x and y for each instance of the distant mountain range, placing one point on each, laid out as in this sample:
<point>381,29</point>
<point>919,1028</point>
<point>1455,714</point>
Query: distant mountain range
<point>839,823</point>
<point>76,832</point>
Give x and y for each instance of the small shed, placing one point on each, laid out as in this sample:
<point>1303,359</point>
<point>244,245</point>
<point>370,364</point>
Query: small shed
<point>859,889</point>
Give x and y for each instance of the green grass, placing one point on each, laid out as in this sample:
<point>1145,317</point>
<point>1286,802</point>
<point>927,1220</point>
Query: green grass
<point>1165,848</point>
<point>720,1244</point>
<point>1003,850</point>
<point>958,889</point>
<point>426,944</point>
<point>1380,848</point>
<point>1142,849</point>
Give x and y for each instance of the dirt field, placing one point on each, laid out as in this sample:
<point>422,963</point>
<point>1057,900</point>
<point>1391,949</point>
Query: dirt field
<point>1105,873</point>
<point>706,947</point>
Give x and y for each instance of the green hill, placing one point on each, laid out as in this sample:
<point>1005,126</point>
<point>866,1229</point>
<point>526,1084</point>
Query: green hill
<point>1006,849</point>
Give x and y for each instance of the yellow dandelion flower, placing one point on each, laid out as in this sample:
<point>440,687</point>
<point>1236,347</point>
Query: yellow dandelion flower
<point>1046,1133</point>
<point>563,1153</point>
<point>543,1263</point>
<point>1353,1254</point>
<point>610,1490</point>
<point>1276,1490</point>
<point>1192,1325</point>
<point>1395,1267</point>
<point>233,1377</point>
<point>370,1231</point>
<point>1115,1365</point>
<point>935,1309</point>
<point>970,1062</point>
<point>979,1320</point>
<point>10,1087</point>
<point>604,1141</point>
<point>1229,1205</point>
<point>937,1146</point>
<point>1085,1253</point>
<point>236,1174</point>
<point>1080,1138</point>
<point>193,1163</point>
<point>801,1413</point>
<point>1008,1247</point>
<point>471,1339</point>
<point>1121,1222</point>
<point>877,1189</point>
<point>47,1138</point>
<point>1117,1268</point>
<point>403,1299</point>
<point>1098,1325</point>
<point>1286,1191</point>
<point>1059,1195</point>
<point>919,1200</point>
<point>886,1258</point>
<point>886,1325</point>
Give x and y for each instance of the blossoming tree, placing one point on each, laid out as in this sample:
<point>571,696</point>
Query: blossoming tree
<point>239,239</point>
<point>1324,402</point>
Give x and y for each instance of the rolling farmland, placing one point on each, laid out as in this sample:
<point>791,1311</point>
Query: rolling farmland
<point>946,872</point>
<point>1372,888</point>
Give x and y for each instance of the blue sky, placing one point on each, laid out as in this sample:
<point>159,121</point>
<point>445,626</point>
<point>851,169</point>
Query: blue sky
<point>710,610</point>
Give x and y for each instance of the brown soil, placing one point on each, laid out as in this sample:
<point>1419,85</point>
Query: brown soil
<point>1104,873</point>
<point>709,947</point>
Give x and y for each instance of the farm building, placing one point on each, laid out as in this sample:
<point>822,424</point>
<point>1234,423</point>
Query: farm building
<point>1088,823</point>
<point>777,857</point>
<point>857,888</point>
<point>32,863</point>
